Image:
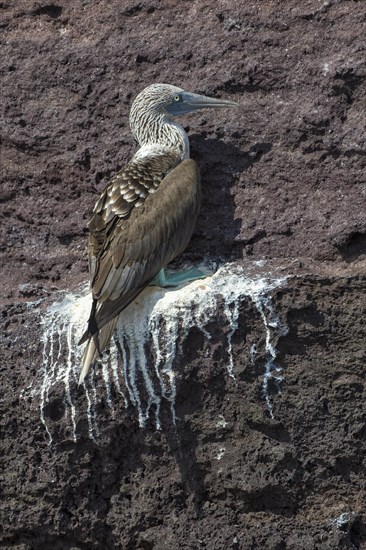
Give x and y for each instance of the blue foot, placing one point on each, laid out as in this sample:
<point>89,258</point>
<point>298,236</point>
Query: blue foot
<point>167,279</point>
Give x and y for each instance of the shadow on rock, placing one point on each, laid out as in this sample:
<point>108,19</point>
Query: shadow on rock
<point>218,227</point>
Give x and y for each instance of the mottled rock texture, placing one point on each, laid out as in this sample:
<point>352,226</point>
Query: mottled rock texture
<point>283,181</point>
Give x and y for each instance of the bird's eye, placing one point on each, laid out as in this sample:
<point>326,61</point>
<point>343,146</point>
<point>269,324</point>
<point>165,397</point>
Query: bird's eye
<point>176,97</point>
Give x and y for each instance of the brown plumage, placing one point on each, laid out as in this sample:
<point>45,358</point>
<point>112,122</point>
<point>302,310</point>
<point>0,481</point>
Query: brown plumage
<point>146,215</point>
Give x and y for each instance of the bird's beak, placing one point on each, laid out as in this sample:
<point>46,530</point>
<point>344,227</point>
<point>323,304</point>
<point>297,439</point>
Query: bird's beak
<point>192,102</point>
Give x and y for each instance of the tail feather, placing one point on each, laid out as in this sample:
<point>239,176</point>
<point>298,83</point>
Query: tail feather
<point>95,346</point>
<point>92,324</point>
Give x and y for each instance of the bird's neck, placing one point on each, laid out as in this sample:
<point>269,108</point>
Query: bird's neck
<point>160,131</point>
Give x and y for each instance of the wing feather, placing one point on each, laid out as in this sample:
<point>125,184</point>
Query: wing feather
<point>153,237</point>
<point>126,191</point>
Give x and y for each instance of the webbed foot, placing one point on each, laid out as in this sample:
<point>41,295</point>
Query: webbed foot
<point>176,278</point>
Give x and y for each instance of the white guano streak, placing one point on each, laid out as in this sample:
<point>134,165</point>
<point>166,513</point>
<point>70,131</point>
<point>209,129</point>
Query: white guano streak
<point>150,334</point>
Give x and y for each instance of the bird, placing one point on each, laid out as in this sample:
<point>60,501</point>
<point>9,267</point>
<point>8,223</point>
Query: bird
<point>146,214</point>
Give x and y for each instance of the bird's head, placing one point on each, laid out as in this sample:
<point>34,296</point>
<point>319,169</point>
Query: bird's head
<point>171,100</point>
<point>158,103</point>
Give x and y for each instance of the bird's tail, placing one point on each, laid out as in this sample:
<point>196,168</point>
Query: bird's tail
<point>95,346</point>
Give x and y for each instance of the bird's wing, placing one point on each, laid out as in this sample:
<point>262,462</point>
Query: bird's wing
<point>126,191</point>
<point>129,245</point>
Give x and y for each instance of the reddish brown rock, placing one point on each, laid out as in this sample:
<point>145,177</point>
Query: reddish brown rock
<point>283,181</point>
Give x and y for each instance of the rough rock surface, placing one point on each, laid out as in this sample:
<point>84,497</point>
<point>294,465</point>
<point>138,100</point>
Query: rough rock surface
<point>284,182</point>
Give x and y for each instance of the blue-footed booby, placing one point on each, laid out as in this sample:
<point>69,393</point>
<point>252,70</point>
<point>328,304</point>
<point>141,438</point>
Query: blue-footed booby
<point>146,214</point>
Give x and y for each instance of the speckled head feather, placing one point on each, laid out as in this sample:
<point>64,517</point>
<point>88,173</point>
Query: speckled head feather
<point>154,99</point>
<point>149,117</point>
